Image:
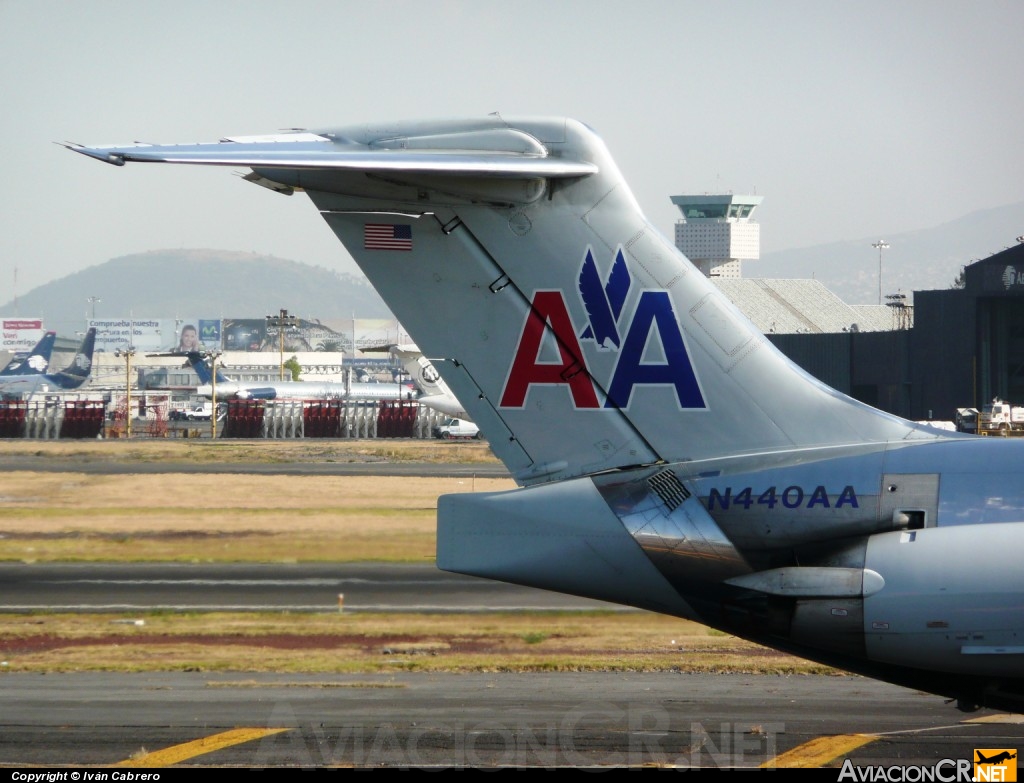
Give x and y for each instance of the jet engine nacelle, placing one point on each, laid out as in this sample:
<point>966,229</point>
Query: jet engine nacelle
<point>940,608</point>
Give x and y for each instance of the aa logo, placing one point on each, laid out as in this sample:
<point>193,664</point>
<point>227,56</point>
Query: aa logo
<point>647,339</point>
<point>996,764</point>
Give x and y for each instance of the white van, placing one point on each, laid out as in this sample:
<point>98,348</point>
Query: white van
<point>456,428</point>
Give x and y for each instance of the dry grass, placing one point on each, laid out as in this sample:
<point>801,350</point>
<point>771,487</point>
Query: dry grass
<point>64,516</point>
<point>367,643</point>
<point>193,451</point>
<point>190,517</point>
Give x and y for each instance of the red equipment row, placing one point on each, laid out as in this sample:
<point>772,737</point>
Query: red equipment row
<point>12,419</point>
<point>82,418</point>
<point>396,420</point>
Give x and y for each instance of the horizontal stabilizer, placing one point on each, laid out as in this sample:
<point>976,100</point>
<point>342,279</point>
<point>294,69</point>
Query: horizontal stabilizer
<point>328,155</point>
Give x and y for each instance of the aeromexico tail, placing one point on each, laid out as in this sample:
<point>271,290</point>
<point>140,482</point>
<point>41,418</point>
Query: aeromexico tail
<point>33,363</point>
<point>227,388</point>
<point>669,456</point>
<point>29,376</point>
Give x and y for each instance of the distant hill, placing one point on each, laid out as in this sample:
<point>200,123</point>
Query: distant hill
<point>914,261</point>
<point>165,283</point>
<point>224,283</point>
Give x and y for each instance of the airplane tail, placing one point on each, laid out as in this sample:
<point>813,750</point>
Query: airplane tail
<point>76,373</point>
<point>36,362</point>
<point>198,363</point>
<point>578,338</point>
<point>433,391</point>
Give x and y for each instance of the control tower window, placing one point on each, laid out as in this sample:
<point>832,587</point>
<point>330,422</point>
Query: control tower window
<point>706,211</point>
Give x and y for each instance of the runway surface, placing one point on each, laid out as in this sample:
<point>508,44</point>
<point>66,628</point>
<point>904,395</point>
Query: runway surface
<point>403,719</point>
<point>380,468</point>
<point>241,587</point>
<point>481,720</point>
<point>425,720</point>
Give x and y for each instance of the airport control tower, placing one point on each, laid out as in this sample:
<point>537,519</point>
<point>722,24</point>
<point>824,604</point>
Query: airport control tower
<point>716,232</point>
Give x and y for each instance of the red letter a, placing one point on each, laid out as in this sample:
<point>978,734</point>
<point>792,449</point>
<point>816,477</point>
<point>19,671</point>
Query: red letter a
<point>548,310</point>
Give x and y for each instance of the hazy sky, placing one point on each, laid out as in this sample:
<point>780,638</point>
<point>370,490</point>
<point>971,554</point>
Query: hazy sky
<point>852,119</point>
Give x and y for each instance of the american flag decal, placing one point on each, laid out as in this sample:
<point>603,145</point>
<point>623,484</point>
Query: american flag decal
<point>385,236</point>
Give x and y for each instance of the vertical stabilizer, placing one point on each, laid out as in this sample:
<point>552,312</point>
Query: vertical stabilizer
<point>577,337</point>
<point>35,363</point>
<point>76,373</point>
<point>198,363</point>
<point>434,392</point>
<point>575,334</point>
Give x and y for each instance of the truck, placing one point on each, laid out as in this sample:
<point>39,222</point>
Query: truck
<point>967,420</point>
<point>1001,418</point>
<point>452,428</point>
<point>201,412</point>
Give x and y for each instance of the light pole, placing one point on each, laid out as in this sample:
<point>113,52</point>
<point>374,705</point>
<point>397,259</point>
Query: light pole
<point>127,353</point>
<point>93,300</point>
<point>881,244</point>
<point>281,321</point>
<point>214,356</point>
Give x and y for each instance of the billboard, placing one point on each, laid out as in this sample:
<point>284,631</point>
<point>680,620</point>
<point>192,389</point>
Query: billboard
<point>156,335</point>
<point>180,335</point>
<point>262,334</point>
<point>21,334</point>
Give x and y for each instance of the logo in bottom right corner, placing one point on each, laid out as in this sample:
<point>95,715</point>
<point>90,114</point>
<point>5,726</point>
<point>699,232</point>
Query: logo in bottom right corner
<point>995,764</point>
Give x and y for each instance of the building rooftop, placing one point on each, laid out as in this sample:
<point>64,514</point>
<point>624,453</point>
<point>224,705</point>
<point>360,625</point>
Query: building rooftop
<point>800,307</point>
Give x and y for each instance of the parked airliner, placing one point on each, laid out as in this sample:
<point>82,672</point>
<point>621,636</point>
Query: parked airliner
<point>227,388</point>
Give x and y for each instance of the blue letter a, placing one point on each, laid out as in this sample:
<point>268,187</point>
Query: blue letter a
<point>654,309</point>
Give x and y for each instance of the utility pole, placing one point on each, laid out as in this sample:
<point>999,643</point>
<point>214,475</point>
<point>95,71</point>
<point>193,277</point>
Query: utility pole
<point>127,353</point>
<point>214,356</point>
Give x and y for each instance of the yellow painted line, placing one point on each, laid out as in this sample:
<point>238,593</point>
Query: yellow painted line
<point>188,750</point>
<point>820,751</point>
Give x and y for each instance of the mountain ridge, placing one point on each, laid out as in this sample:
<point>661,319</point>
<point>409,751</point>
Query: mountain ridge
<point>920,260</point>
<point>238,284</point>
<point>209,282</point>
